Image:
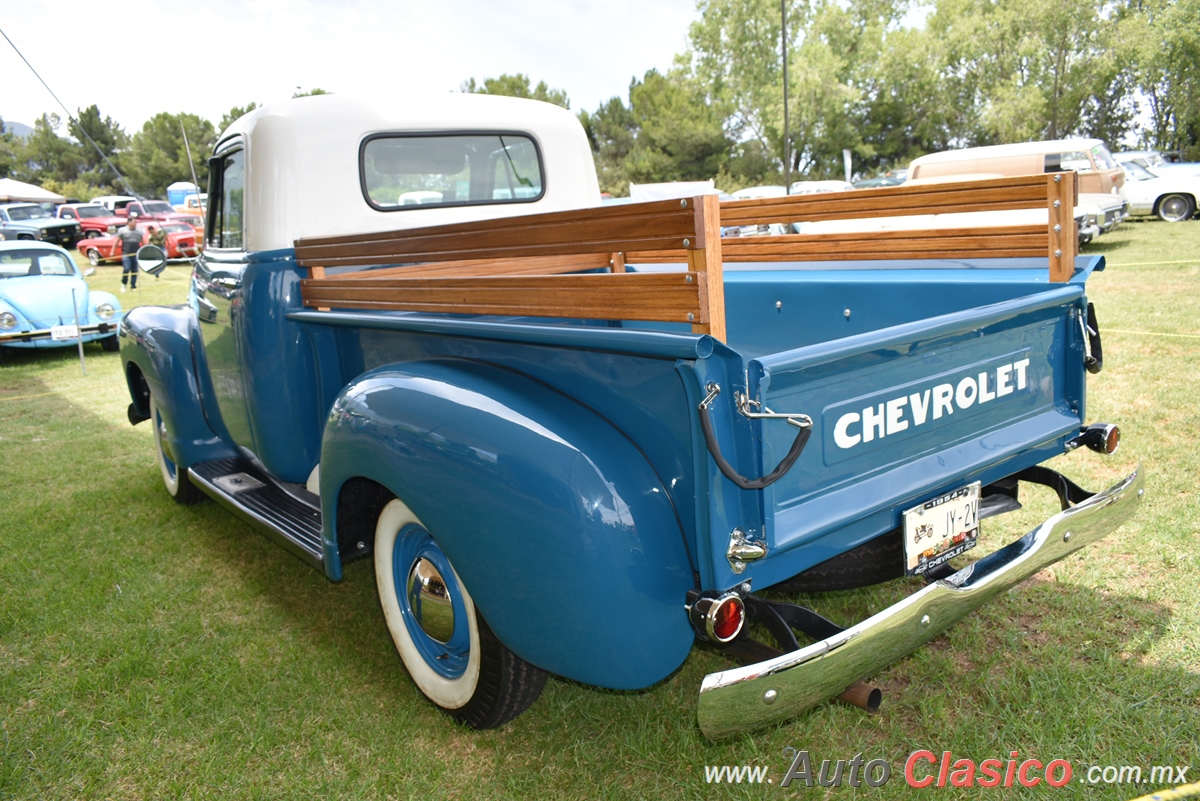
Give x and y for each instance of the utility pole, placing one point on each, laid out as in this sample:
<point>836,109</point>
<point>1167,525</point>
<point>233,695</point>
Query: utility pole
<point>787,154</point>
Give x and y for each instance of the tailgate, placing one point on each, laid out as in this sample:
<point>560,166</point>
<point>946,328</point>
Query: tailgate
<point>905,413</point>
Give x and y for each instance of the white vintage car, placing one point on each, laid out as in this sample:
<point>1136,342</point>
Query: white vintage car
<point>1154,161</point>
<point>1169,197</point>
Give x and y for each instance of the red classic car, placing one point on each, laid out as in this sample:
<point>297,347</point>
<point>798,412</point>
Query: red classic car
<point>181,243</point>
<point>94,219</point>
<point>159,210</point>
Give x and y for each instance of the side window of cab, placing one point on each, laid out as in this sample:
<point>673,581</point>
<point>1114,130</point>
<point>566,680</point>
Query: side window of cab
<point>226,223</point>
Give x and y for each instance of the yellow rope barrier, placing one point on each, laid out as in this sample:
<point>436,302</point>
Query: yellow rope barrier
<point>1170,794</point>
<point>1150,333</point>
<point>1148,263</point>
<point>27,397</point>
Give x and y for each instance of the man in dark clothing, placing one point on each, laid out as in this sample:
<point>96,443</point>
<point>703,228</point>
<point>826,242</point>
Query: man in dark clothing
<point>131,240</point>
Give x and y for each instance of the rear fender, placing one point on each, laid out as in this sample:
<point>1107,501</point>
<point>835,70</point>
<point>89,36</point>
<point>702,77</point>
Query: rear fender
<point>156,349</point>
<point>553,519</point>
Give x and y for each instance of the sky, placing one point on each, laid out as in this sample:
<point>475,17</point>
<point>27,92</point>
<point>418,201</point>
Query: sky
<point>139,59</point>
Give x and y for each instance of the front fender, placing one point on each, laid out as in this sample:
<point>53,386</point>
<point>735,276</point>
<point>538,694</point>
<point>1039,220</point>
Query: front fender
<point>156,345</point>
<point>554,520</point>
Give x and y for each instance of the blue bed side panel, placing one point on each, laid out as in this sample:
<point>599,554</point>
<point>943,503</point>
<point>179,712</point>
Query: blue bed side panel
<point>558,526</point>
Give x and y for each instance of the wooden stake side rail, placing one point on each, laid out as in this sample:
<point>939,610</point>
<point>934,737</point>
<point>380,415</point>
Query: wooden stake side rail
<point>667,297</point>
<point>1025,241</point>
<point>544,265</point>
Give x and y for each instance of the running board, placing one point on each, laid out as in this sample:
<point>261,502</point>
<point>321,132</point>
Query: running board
<point>244,490</point>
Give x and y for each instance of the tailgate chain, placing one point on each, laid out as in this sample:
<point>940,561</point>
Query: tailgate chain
<point>801,421</point>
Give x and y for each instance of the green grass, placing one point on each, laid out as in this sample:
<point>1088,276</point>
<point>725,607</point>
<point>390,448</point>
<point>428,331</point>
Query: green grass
<point>149,650</point>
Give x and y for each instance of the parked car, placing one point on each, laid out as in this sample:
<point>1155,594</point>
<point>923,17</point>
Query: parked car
<point>45,301</point>
<point>1099,176</point>
<point>889,178</point>
<point>1155,162</point>
<point>29,221</point>
<point>181,243</point>
<point>94,220</point>
<point>1171,198</point>
<point>764,229</point>
<point>113,202</point>
<point>159,210</point>
<point>193,204</point>
<point>820,187</point>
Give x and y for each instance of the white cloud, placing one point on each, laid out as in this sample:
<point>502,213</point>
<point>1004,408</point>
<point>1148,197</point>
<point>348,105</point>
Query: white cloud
<point>205,58</point>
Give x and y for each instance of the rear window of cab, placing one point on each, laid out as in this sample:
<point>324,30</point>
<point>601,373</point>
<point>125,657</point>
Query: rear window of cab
<point>401,172</point>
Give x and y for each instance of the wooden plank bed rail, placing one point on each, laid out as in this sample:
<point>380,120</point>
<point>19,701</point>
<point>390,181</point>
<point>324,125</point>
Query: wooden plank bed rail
<point>546,264</point>
<point>520,266</point>
<point>1055,240</point>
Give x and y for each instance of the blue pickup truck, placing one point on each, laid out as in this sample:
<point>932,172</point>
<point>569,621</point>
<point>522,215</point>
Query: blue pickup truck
<point>578,440</point>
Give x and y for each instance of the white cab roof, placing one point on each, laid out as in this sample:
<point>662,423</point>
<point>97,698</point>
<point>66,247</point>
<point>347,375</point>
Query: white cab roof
<point>302,161</point>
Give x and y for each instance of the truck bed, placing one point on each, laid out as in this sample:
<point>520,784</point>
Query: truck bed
<point>822,325</point>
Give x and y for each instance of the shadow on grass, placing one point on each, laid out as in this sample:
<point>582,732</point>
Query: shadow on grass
<point>235,637</point>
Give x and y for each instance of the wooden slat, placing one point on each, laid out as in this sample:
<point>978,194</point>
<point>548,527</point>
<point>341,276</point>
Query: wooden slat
<point>533,265</point>
<point>1017,192</point>
<point>598,230</point>
<point>667,297</point>
<point>935,243</point>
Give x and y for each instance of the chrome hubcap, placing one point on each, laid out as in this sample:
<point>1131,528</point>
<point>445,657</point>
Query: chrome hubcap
<point>1174,208</point>
<point>429,600</point>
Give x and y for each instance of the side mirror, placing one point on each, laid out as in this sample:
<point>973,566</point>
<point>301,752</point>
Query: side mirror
<point>90,271</point>
<point>151,259</point>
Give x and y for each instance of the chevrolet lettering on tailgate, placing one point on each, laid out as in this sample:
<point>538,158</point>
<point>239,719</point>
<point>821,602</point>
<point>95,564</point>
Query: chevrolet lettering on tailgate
<point>878,420</point>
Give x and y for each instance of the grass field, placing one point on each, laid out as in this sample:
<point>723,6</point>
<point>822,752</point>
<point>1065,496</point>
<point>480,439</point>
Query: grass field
<point>149,650</point>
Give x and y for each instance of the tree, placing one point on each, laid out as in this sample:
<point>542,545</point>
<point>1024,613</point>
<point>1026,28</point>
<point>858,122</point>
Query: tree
<point>9,146</point>
<point>157,157</point>
<point>735,54</point>
<point>1162,43</point>
<point>99,139</point>
<point>1024,69</point>
<point>667,132</point>
<point>310,93</point>
<point>47,156</point>
<point>612,132</point>
<point>858,80</point>
<point>234,114</point>
<point>518,85</point>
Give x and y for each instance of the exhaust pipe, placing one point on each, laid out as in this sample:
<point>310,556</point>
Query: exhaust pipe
<point>863,696</point>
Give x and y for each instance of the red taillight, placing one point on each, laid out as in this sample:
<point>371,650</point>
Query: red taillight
<point>716,617</point>
<point>725,618</point>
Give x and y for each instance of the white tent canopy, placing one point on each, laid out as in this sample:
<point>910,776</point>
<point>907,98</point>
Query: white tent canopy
<point>11,190</point>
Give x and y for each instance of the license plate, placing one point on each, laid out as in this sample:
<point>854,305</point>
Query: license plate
<point>940,529</point>
<point>64,332</point>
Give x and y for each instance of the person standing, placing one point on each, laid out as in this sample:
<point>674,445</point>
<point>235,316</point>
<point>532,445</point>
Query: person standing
<point>131,240</point>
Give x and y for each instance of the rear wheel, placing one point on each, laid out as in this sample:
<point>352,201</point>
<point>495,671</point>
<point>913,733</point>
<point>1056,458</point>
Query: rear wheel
<point>445,644</point>
<point>1176,208</point>
<point>176,480</point>
<point>873,562</point>
<point>93,257</point>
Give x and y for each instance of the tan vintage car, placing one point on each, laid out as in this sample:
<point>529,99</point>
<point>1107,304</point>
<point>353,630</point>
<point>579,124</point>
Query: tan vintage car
<point>1099,176</point>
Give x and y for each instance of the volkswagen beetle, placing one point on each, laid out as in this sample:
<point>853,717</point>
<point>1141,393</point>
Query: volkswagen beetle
<point>45,301</point>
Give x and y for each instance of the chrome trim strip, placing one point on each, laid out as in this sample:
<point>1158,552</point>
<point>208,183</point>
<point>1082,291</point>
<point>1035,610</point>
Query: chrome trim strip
<point>768,692</point>
<point>45,333</point>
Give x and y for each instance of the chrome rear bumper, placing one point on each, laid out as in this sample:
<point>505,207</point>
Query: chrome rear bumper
<point>776,689</point>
